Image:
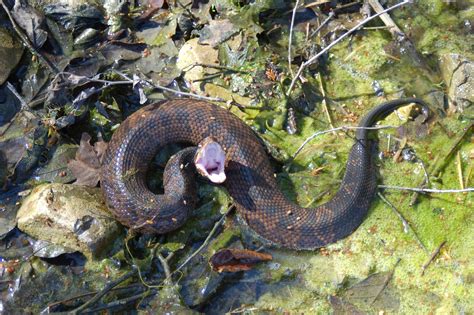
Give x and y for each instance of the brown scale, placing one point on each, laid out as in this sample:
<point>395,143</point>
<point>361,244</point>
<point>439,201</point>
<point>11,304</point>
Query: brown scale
<point>250,179</point>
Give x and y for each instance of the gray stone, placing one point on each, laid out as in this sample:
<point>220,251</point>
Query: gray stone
<point>72,216</point>
<point>458,73</point>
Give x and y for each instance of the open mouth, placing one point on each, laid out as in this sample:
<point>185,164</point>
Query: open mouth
<point>210,161</point>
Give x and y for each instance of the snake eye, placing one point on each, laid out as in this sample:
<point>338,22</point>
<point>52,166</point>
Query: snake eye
<point>210,161</point>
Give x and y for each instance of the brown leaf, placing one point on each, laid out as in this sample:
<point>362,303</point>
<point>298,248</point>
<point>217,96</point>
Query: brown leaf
<point>86,165</point>
<point>233,260</point>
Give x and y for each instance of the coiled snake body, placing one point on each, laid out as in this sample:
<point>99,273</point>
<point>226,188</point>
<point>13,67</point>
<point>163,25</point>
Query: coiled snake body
<point>250,177</point>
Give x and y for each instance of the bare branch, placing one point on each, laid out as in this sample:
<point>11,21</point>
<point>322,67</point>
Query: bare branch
<point>343,128</point>
<point>429,190</point>
<point>290,38</point>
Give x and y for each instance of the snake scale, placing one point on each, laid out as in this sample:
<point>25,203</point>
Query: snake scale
<point>250,177</point>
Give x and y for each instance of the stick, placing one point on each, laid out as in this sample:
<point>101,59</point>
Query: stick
<point>387,20</point>
<point>105,290</point>
<point>406,225</point>
<point>432,258</point>
<point>340,38</point>
<point>326,21</point>
<point>459,169</point>
<point>429,190</point>
<point>179,93</point>
<point>290,38</point>
<point>387,280</point>
<point>206,241</point>
<point>323,102</point>
<point>343,128</point>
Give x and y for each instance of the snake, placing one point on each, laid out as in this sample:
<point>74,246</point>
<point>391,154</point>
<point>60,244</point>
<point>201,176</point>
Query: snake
<point>250,178</point>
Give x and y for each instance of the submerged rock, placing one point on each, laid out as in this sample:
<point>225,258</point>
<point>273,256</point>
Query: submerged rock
<point>71,216</point>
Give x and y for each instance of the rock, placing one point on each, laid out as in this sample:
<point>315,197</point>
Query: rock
<point>193,53</point>
<point>10,54</point>
<point>71,216</point>
<point>458,73</point>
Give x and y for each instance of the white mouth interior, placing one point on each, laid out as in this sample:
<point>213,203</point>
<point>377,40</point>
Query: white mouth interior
<point>210,161</point>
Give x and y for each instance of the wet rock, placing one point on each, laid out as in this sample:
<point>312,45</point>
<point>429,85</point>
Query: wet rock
<point>10,54</point>
<point>458,73</point>
<point>71,216</point>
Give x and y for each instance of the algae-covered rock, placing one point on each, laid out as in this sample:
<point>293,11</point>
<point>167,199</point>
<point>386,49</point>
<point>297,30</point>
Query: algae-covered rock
<point>10,54</point>
<point>458,74</point>
<point>71,216</point>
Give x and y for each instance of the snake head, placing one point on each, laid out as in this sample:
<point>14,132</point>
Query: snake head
<point>210,160</point>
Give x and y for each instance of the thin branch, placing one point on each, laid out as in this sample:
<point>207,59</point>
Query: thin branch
<point>406,225</point>
<point>218,67</point>
<point>121,302</point>
<point>428,190</point>
<point>105,290</point>
<point>340,38</point>
<point>326,21</point>
<point>387,280</point>
<point>27,43</point>
<point>343,128</point>
<point>290,38</point>
<point>12,89</point>
<point>206,241</point>
<point>433,256</point>
<point>179,93</point>
<point>437,168</point>
<point>324,102</point>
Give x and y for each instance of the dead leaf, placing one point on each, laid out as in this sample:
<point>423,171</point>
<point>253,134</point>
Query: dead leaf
<point>218,31</point>
<point>342,307</point>
<point>86,165</point>
<point>31,21</point>
<point>233,260</point>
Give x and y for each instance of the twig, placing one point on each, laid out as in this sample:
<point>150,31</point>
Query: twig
<point>121,302</point>
<point>323,102</point>
<point>206,241</point>
<point>459,169</point>
<point>179,93</point>
<point>433,256</point>
<point>165,263</point>
<point>105,290</point>
<point>429,190</point>
<point>387,20</point>
<point>290,38</point>
<point>18,96</point>
<point>343,128</point>
<point>340,38</point>
<point>326,21</point>
<point>438,168</point>
<point>27,43</point>
<point>406,225</point>
<point>83,295</point>
<point>315,3</point>
<point>387,280</point>
<point>218,67</point>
